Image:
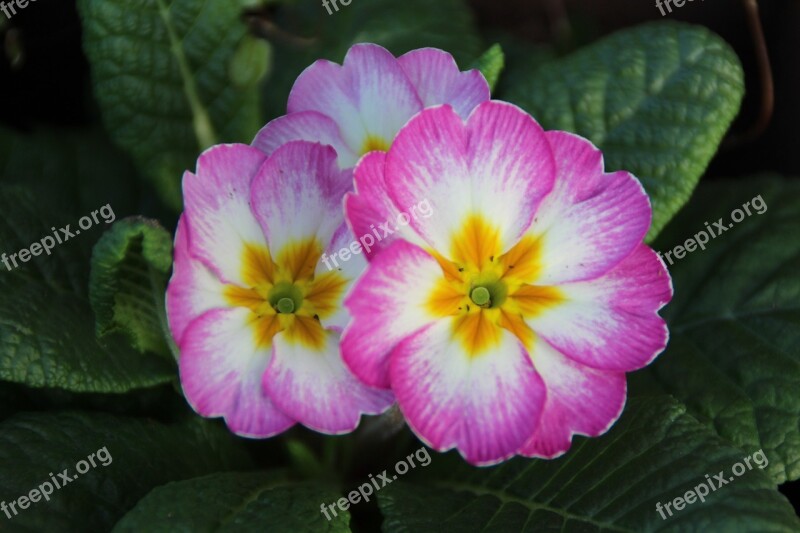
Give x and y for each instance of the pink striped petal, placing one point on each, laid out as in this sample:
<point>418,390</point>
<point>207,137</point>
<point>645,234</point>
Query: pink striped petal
<point>612,322</point>
<point>305,126</point>
<point>498,166</point>
<point>592,220</point>
<point>369,96</point>
<point>485,406</point>
<point>371,212</point>
<point>193,289</point>
<point>221,370</point>
<point>297,194</point>
<point>314,386</point>
<point>217,210</point>
<point>438,80</point>
<point>388,305</point>
<point>580,401</point>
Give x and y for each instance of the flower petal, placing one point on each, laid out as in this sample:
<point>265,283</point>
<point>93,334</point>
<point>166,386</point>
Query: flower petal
<point>217,211</point>
<point>369,96</point>
<point>370,208</point>
<point>497,167</point>
<point>221,368</point>
<point>193,289</point>
<point>612,322</point>
<point>485,406</point>
<point>438,80</point>
<point>314,386</point>
<point>305,126</point>
<point>297,195</point>
<point>342,273</point>
<point>388,305</point>
<point>592,220</point>
<point>580,400</point>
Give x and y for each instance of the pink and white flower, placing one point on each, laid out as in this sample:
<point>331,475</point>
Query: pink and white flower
<point>256,316</point>
<point>504,323</point>
<point>359,107</point>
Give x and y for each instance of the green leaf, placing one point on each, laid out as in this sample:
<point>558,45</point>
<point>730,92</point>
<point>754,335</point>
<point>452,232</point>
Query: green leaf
<point>734,353</point>
<point>130,264</point>
<point>143,454</point>
<point>657,99</point>
<point>398,26</point>
<point>161,72</point>
<point>73,165</point>
<point>491,64</point>
<point>47,337</point>
<point>654,454</point>
<point>235,502</point>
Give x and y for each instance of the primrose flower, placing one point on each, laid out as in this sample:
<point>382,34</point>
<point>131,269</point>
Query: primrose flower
<point>256,317</point>
<point>359,107</point>
<point>505,322</point>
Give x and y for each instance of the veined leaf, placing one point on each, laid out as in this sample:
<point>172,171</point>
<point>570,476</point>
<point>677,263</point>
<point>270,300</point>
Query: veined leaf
<point>236,502</point>
<point>734,353</point>
<point>128,280</point>
<point>657,99</point>
<point>653,455</point>
<point>47,337</point>
<point>161,71</point>
<point>139,455</point>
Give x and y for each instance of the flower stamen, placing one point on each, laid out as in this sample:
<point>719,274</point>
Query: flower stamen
<point>285,306</point>
<point>481,296</point>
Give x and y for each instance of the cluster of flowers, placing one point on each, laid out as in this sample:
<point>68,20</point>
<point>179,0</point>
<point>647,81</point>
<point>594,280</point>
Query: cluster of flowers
<point>503,325</point>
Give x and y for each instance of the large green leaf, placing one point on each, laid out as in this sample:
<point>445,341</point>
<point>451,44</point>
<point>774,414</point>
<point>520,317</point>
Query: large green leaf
<point>75,165</point>
<point>657,99</point>
<point>166,74</point>
<point>734,353</point>
<point>46,333</point>
<point>130,264</point>
<point>654,454</point>
<point>235,502</point>
<point>144,454</point>
<point>398,26</point>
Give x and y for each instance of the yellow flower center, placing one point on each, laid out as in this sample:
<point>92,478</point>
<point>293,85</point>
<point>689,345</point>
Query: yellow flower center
<point>485,290</point>
<point>284,294</point>
<point>374,143</point>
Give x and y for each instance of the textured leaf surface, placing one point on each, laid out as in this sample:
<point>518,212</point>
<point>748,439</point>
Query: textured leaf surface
<point>46,334</point>
<point>734,355</point>
<point>235,502</point>
<point>130,264</point>
<point>161,71</point>
<point>655,453</point>
<point>657,99</point>
<point>145,454</point>
<point>491,64</point>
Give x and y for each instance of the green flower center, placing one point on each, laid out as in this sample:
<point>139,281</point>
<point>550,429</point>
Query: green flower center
<point>285,297</point>
<point>488,291</point>
<point>480,295</point>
